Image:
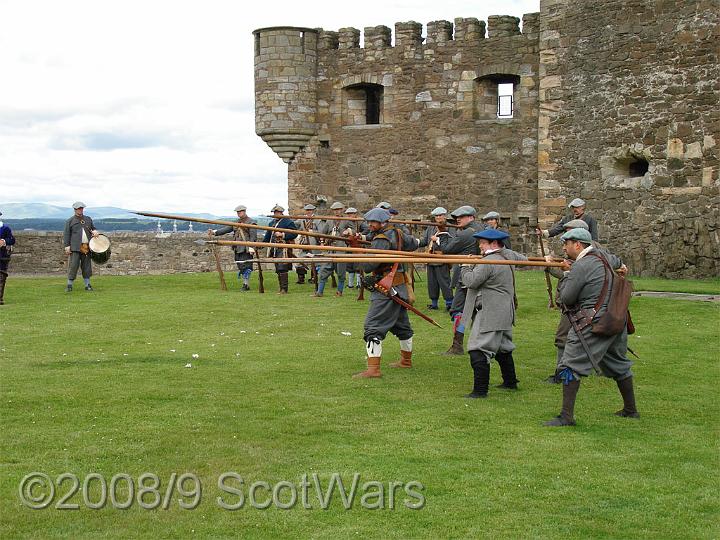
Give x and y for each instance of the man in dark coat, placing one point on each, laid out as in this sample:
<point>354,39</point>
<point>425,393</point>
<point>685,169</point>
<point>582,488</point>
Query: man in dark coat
<point>438,275</point>
<point>242,253</point>
<point>7,240</point>
<point>281,222</point>
<point>385,315</point>
<point>580,292</point>
<point>577,207</point>
<point>76,239</point>
<point>463,243</point>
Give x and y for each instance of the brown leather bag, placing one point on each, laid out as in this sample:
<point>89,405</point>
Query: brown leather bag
<point>617,316</point>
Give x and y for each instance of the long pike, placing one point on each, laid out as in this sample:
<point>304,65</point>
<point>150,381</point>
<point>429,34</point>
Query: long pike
<point>351,250</point>
<point>349,240</point>
<point>345,218</point>
<point>402,259</point>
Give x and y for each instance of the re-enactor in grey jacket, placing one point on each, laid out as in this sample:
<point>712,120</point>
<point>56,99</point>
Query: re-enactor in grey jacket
<point>579,293</point>
<point>76,239</point>
<point>242,253</point>
<point>490,312</point>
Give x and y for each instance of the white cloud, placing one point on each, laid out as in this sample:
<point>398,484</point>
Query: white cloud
<point>149,104</point>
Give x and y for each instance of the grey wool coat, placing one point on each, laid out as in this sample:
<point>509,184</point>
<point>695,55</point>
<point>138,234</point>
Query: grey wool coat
<point>72,235</point>
<point>489,297</point>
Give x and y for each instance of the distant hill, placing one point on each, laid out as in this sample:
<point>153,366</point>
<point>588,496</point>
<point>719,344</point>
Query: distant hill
<point>49,211</point>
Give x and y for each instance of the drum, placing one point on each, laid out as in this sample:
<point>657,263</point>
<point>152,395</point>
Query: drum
<point>100,249</point>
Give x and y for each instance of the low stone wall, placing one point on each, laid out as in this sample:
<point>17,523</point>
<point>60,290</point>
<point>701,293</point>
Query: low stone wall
<point>132,253</point>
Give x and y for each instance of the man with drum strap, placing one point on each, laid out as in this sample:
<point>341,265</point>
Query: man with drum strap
<point>7,240</point>
<point>242,253</point>
<point>76,239</point>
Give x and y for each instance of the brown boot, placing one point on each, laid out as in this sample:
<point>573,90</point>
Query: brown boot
<point>405,360</point>
<point>3,279</point>
<point>457,345</point>
<point>283,282</point>
<point>627,392</point>
<point>567,414</point>
<point>372,371</point>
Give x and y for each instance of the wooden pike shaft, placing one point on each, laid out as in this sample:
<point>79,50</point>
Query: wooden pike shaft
<point>419,260</point>
<point>345,218</point>
<point>305,247</point>
<point>250,226</point>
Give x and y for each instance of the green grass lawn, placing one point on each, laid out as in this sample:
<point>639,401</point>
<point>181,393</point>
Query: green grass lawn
<point>97,383</point>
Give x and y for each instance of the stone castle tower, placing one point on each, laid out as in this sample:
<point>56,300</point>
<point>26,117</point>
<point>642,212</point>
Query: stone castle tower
<point>613,101</point>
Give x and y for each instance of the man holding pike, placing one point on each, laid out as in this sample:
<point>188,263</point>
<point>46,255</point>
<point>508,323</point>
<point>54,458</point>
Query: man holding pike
<point>385,314</point>
<point>242,253</point>
<point>438,275</point>
<point>308,224</point>
<point>282,222</point>
<point>335,227</point>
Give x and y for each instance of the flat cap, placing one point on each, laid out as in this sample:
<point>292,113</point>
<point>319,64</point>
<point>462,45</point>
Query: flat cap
<point>576,224</point>
<point>309,207</point>
<point>337,205</point>
<point>491,215</point>
<point>277,208</point>
<point>575,203</point>
<point>351,210</point>
<point>377,214</point>
<point>463,211</point>
<point>581,235</point>
<point>78,204</point>
<point>384,204</point>
<point>439,211</point>
<point>491,234</point>
<point>240,208</point>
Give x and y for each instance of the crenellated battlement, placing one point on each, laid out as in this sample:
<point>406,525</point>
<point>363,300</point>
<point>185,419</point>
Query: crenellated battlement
<point>462,31</point>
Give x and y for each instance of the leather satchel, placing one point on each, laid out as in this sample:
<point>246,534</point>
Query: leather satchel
<point>617,315</point>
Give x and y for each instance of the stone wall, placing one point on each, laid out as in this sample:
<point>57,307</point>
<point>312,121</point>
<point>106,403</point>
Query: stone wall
<point>434,145</point>
<point>132,253</point>
<point>632,85</point>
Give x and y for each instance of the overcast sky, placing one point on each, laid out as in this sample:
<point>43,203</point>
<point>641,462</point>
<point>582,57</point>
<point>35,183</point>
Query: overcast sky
<point>149,104</point>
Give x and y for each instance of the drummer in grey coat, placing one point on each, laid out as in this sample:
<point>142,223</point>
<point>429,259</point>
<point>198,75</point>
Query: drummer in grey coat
<point>490,312</point>
<point>580,291</point>
<point>438,275</point>
<point>242,253</point>
<point>76,239</point>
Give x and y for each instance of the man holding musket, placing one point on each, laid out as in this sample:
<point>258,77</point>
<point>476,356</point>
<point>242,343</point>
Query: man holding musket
<point>438,275</point>
<point>242,253</point>
<point>580,294</point>
<point>384,314</point>
<point>7,240</point>
<point>76,239</point>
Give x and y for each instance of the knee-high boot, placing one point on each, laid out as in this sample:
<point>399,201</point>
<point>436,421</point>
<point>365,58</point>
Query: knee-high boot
<point>283,282</point>
<point>3,279</point>
<point>627,392</point>
<point>507,368</point>
<point>567,414</point>
<point>481,375</point>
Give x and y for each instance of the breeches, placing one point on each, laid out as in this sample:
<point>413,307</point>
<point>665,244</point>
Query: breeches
<point>82,261</point>
<point>385,316</point>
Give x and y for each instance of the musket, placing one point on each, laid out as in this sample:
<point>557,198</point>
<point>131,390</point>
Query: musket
<point>551,304</point>
<point>456,258</point>
<point>393,295</point>
<point>345,218</point>
<point>350,240</point>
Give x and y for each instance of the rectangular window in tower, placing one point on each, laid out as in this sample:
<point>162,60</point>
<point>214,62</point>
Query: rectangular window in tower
<point>372,110</point>
<point>505,100</point>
